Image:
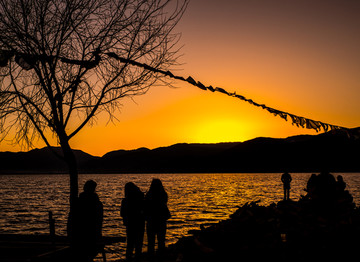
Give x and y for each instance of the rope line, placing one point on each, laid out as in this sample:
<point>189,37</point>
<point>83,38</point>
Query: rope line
<point>299,121</point>
<point>27,62</point>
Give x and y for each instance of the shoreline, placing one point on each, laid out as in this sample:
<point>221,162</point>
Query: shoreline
<point>286,231</point>
<point>323,224</point>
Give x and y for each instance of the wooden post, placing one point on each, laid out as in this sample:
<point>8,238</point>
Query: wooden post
<point>51,225</point>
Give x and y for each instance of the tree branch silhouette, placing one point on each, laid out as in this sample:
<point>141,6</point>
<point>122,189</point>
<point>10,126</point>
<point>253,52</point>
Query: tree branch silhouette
<point>54,76</point>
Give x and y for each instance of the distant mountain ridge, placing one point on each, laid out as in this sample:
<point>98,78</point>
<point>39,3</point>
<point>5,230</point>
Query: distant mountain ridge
<point>39,161</point>
<point>334,151</point>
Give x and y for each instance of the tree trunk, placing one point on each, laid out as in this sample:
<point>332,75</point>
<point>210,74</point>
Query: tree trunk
<point>71,162</point>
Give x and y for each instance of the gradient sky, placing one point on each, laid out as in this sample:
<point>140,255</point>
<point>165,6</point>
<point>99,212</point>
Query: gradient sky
<point>298,56</point>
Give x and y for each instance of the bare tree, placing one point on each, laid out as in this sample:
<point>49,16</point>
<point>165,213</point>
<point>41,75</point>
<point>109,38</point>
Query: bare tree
<point>57,66</point>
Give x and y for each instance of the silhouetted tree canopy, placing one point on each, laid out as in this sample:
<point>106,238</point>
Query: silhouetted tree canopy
<point>54,67</point>
<point>55,72</point>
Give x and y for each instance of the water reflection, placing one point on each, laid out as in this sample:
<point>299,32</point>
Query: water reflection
<point>194,199</point>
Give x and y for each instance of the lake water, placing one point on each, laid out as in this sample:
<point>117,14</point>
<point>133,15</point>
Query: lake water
<point>194,199</point>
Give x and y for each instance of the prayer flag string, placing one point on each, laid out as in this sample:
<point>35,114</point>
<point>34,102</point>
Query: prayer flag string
<point>27,62</point>
<point>299,121</point>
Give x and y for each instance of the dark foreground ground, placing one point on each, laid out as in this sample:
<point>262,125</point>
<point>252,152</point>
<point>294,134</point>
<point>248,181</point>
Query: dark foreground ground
<point>286,231</point>
<point>324,225</point>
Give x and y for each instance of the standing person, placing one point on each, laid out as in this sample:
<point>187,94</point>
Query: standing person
<point>89,218</point>
<point>286,179</point>
<point>132,212</point>
<point>311,186</point>
<point>340,184</point>
<point>156,214</point>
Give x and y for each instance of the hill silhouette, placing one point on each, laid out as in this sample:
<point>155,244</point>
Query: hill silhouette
<point>335,151</point>
<point>40,161</point>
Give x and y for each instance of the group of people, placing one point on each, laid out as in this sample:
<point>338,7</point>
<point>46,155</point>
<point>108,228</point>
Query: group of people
<point>137,209</point>
<point>150,209</point>
<point>324,190</point>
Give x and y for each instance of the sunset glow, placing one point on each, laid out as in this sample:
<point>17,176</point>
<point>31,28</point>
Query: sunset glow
<point>297,56</point>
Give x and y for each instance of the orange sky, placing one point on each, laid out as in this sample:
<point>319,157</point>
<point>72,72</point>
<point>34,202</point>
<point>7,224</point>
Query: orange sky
<point>298,56</point>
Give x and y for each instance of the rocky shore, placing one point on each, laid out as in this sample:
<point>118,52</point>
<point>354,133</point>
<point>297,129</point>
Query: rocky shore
<point>324,224</point>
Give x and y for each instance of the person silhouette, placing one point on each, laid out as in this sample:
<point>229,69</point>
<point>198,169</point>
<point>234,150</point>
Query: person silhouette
<point>340,184</point>
<point>311,186</point>
<point>156,215</point>
<point>89,218</point>
<point>132,212</point>
<point>286,179</point>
